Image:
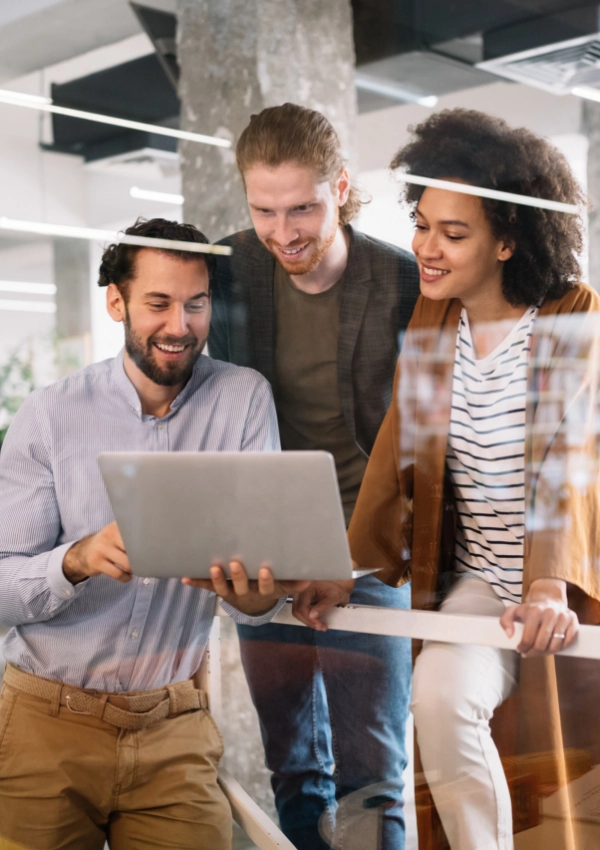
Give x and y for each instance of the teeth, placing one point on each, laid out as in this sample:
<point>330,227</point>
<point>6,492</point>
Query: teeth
<point>172,349</point>
<point>292,251</point>
<point>435,271</point>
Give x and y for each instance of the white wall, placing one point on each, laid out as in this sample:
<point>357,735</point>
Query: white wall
<point>382,132</point>
<point>384,217</point>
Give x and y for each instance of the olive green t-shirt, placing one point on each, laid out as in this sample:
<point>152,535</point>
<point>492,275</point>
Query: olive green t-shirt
<point>306,392</point>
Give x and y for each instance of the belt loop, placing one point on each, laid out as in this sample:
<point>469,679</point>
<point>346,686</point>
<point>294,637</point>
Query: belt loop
<point>172,700</point>
<point>102,700</point>
<point>55,700</point>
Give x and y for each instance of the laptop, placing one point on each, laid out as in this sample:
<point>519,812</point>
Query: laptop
<point>180,512</point>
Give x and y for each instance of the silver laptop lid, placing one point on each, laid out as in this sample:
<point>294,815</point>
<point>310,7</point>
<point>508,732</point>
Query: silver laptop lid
<point>179,512</point>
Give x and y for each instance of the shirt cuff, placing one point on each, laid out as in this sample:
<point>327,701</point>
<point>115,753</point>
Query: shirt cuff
<point>58,583</point>
<point>250,620</point>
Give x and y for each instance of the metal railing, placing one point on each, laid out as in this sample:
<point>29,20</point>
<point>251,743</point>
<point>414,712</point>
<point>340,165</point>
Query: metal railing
<point>420,625</point>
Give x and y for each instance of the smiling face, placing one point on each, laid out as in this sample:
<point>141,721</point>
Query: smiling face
<point>295,216</point>
<point>166,315</point>
<point>457,252</point>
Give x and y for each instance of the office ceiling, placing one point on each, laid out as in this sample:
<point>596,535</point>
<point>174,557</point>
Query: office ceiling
<point>35,34</point>
<point>430,47</point>
<point>406,49</point>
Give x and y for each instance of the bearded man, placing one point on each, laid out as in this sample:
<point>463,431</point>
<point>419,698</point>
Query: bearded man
<point>103,735</point>
<point>319,309</point>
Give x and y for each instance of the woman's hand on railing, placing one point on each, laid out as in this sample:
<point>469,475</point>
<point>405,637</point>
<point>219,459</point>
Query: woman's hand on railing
<point>311,604</point>
<point>548,623</point>
<point>250,597</point>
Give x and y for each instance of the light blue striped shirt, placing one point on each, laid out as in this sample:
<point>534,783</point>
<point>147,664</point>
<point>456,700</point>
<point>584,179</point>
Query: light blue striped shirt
<point>103,634</point>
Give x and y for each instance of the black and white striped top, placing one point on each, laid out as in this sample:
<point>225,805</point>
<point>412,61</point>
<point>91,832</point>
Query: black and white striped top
<point>485,456</point>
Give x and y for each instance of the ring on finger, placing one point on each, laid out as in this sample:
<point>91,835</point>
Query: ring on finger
<point>558,636</point>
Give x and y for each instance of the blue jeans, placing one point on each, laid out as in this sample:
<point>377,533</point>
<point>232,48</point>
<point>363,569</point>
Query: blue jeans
<point>332,708</point>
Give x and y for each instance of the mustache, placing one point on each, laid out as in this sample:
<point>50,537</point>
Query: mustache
<point>291,245</point>
<point>190,339</point>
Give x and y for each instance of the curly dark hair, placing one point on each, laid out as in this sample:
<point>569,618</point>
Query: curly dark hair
<point>485,151</point>
<point>118,260</point>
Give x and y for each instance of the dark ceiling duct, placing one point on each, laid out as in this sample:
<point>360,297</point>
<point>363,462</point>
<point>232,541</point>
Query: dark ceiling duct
<point>428,48</point>
<point>557,53</point>
<point>138,90</point>
<point>161,29</point>
<point>408,51</point>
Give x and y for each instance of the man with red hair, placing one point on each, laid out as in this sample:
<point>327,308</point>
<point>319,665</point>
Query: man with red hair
<point>319,309</point>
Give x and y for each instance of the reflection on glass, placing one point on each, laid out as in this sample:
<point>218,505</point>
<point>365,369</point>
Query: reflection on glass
<point>483,487</point>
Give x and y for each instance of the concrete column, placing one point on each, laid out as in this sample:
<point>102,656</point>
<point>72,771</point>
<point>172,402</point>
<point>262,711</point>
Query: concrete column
<point>240,56</point>
<point>591,129</point>
<point>73,308</point>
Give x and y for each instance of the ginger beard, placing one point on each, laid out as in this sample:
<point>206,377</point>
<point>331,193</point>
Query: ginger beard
<point>142,353</point>
<point>317,248</point>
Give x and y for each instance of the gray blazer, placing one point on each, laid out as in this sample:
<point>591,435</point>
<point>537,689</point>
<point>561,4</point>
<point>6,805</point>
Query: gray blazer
<point>380,288</point>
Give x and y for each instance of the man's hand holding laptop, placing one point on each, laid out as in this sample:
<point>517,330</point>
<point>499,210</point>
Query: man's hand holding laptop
<point>97,554</point>
<point>104,553</point>
<point>250,597</point>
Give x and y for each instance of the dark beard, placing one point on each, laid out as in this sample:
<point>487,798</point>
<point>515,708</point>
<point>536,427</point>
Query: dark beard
<point>173,374</point>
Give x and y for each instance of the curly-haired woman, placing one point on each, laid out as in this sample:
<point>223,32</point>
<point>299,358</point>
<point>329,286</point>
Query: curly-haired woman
<point>483,482</point>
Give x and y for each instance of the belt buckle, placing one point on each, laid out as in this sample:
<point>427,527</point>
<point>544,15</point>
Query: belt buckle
<point>68,699</point>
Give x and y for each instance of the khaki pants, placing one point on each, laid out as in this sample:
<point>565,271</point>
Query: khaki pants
<point>72,781</point>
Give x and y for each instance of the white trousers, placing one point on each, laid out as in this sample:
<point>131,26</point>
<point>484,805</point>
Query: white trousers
<point>455,691</point>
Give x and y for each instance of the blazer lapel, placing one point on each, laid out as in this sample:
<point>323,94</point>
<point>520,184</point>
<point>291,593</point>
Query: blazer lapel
<point>355,294</point>
<point>261,308</point>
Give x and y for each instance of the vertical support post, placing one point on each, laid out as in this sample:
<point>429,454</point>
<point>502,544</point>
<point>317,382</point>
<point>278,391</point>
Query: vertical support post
<point>239,57</point>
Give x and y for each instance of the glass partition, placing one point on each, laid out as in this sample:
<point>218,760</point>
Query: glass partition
<point>364,233</point>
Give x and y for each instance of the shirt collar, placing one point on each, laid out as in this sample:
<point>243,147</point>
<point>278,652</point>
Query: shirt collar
<point>129,392</point>
<point>196,378</point>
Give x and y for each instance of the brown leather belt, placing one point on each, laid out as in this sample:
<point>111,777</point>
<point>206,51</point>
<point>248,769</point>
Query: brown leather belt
<point>134,710</point>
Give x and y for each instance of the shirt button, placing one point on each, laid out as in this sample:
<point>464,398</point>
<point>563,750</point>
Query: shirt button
<point>146,581</point>
<point>134,634</point>
<point>69,592</point>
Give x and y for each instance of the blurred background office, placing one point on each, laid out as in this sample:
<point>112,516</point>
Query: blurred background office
<point>203,66</point>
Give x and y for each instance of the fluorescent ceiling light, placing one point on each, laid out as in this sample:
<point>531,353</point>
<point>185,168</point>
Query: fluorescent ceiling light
<point>368,83</point>
<point>93,234</point>
<point>28,306</point>
<point>45,105</point>
<point>19,98</point>
<point>586,92</point>
<point>162,197</point>
<point>430,101</point>
<point>31,288</point>
<point>464,189</point>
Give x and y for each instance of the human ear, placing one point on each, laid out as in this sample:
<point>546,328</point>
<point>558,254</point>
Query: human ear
<point>343,187</point>
<point>506,250</point>
<point>115,303</point>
